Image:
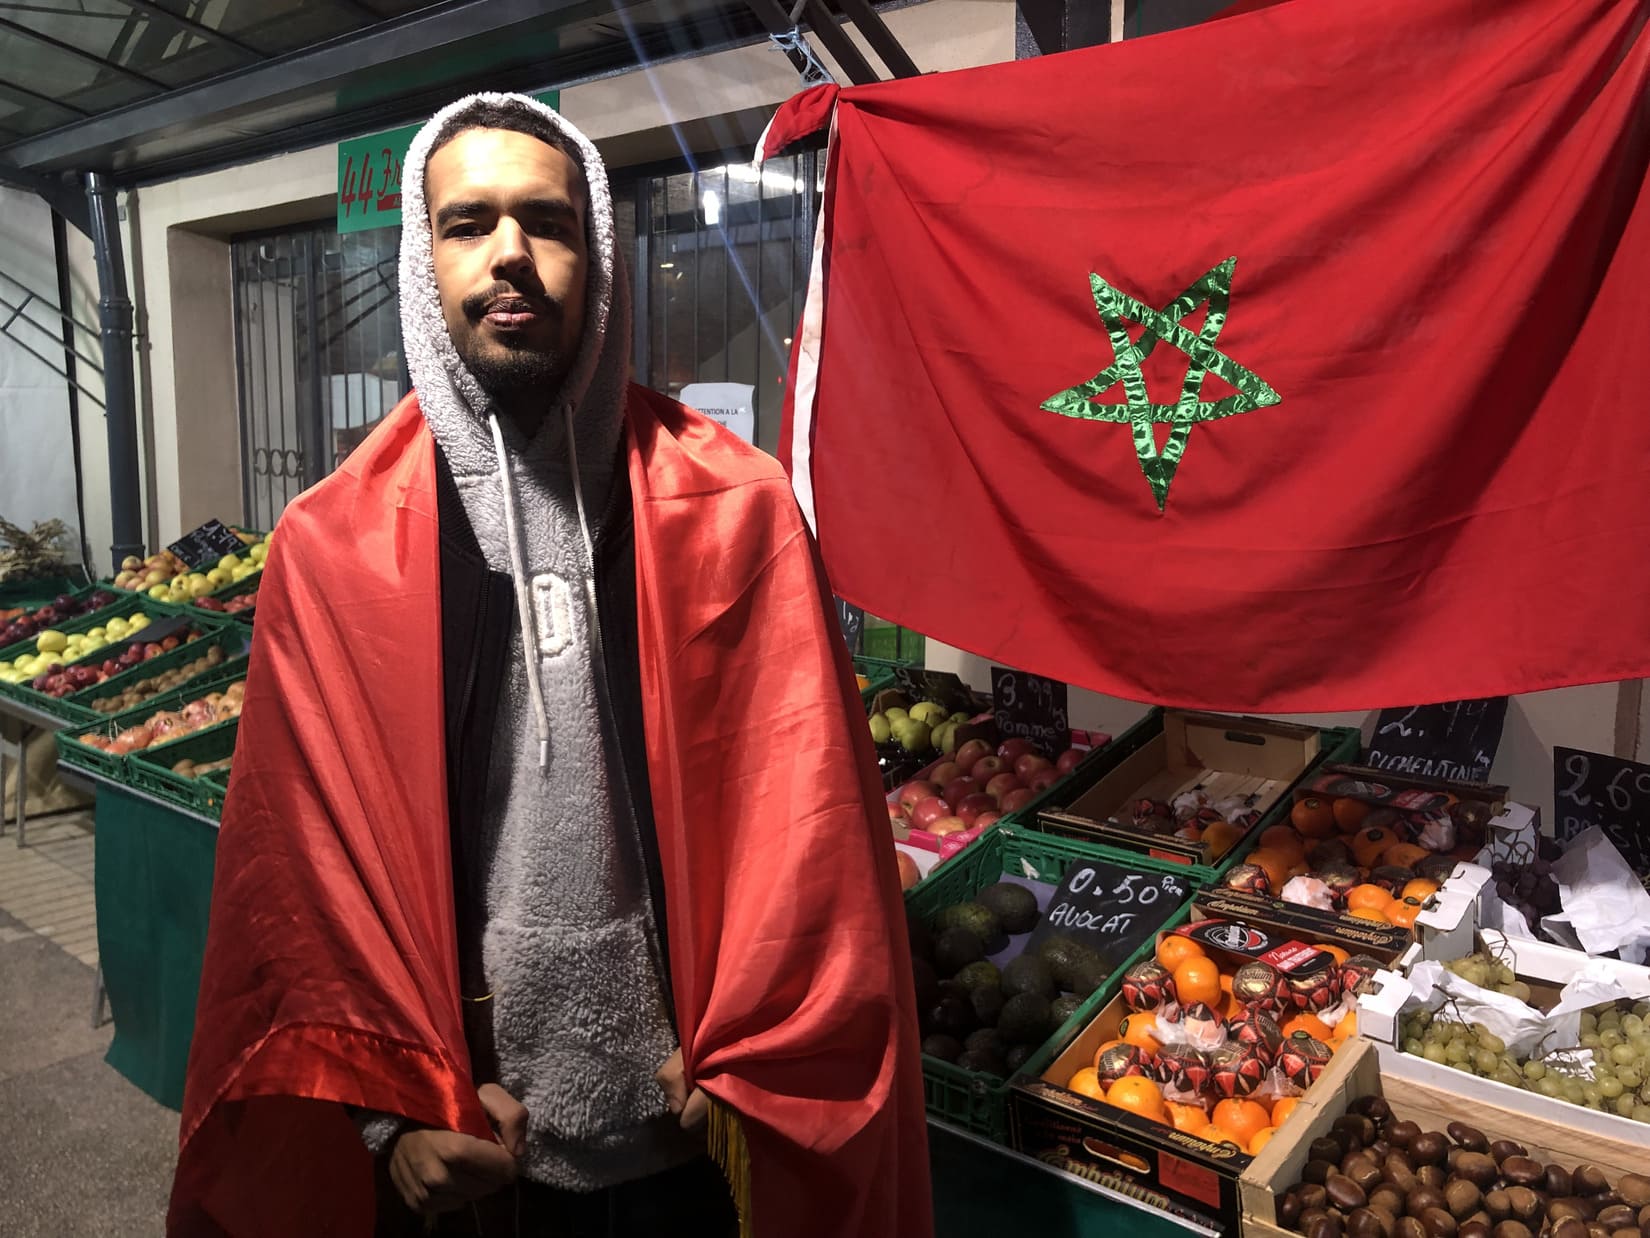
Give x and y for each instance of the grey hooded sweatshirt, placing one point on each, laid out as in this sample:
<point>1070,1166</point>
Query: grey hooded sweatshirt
<point>579,1022</point>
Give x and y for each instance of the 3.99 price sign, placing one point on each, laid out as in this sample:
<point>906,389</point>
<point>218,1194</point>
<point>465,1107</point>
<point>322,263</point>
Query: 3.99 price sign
<point>1031,707</point>
<point>1612,793</point>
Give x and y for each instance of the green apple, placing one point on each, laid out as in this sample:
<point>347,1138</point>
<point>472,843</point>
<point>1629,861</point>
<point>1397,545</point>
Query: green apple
<point>895,714</point>
<point>881,731</point>
<point>928,712</point>
<point>913,736</point>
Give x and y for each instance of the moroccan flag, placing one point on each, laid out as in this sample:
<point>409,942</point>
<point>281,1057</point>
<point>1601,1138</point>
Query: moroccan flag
<point>1290,362</point>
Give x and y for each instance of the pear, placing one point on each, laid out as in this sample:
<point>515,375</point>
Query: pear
<point>881,731</point>
<point>895,714</point>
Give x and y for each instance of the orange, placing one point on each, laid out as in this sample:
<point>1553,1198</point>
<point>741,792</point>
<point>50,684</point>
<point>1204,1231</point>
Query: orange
<point>1419,889</point>
<point>1404,855</point>
<point>1277,865</point>
<point>1174,949</point>
<point>1348,1026</point>
<point>1308,1022</point>
<point>1370,914</point>
<point>1241,1119</point>
<point>1368,844</point>
<point>1283,838</point>
<point>1350,814</point>
<point>1136,1029</point>
<point>1262,1137</point>
<point>1220,837</point>
<point>1188,1118</point>
<point>1313,817</point>
<point>1197,979</point>
<point>1282,1108</point>
<point>1214,1134</point>
<point>1403,912</point>
<point>1336,953</point>
<point>1103,1048</point>
<point>1367,897</point>
<point>1233,1009</point>
<point>1140,1096</point>
<point>1086,1082</point>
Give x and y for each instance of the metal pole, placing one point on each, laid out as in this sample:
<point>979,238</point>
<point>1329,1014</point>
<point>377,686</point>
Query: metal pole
<point>120,393</point>
<point>65,291</point>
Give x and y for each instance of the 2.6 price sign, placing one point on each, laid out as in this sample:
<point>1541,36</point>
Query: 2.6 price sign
<point>1590,788</point>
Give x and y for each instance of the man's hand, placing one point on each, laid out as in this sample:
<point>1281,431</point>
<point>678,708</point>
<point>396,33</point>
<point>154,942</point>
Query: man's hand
<point>691,1109</point>
<point>438,1171</point>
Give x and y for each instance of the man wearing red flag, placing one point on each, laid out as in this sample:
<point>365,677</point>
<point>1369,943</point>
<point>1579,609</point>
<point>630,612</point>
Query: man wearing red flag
<point>552,842</point>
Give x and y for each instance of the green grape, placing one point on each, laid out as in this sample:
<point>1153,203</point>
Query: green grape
<point>1623,1055</point>
<point>1625,1104</point>
<point>1589,1021</point>
<point>1610,1038</point>
<point>1535,1070</point>
<point>1508,1073</point>
<point>1550,1085</point>
<point>1609,1019</point>
<point>1464,1066</point>
<point>1492,1042</point>
<point>1641,1113</point>
<point>1632,1025</point>
<point>1485,1061</point>
<point>1435,1053</point>
<point>1590,1094</point>
<point>1630,1076</point>
<point>1603,1068</point>
<point>1641,1042</point>
<point>1414,1045</point>
<point>1457,1052</point>
<point>1610,1087</point>
<point>1589,1040</point>
<point>1423,1018</point>
<point>1572,1091</point>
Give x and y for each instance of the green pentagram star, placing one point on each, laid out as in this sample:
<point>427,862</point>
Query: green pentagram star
<point>1116,307</point>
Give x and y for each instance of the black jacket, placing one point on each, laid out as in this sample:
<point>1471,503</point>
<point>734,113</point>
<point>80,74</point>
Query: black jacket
<point>477,612</point>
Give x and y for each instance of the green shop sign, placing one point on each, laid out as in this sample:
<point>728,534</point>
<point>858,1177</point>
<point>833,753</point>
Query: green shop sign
<point>369,175</point>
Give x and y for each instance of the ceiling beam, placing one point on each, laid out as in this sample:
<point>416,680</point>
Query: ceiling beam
<point>63,195</point>
<point>69,49</point>
<point>199,29</point>
<point>23,92</point>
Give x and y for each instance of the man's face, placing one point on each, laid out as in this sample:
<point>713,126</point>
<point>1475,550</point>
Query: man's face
<point>507,218</point>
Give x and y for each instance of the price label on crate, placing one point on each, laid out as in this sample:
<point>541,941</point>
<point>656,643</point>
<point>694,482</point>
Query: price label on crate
<point>1455,740</point>
<point>852,621</point>
<point>1031,707</point>
<point>1612,793</point>
<point>941,687</point>
<point>203,547</point>
<point>1110,909</point>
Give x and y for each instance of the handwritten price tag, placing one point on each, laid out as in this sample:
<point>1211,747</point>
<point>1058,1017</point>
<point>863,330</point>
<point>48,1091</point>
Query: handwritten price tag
<point>1612,793</point>
<point>1455,740</point>
<point>1110,909</point>
<point>1031,707</point>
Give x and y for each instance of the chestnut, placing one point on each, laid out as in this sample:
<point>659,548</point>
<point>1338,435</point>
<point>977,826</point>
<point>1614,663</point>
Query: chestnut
<point>1289,1209</point>
<point>1559,1182</point>
<point>1569,1227</point>
<point>1617,1216</point>
<point>1497,1205</point>
<point>1462,1198</point>
<point>1409,1227</point>
<point>1476,1227</point>
<point>1434,1176</point>
<point>1422,1198</point>
<point>1330,1147</point>
<point>1389,1198</point>
<point>1511,1229</point>
<point>1468,1137</point>
<point>1309,1218</point>
<point>1325,1226</point>
<point>1523,1171</point>
<point>1316,1171</point>
<point>1632,1232</point>
<point>1501,1149</point>
<point>1428,1148</point>
<point>1439,1223</point>
<point>1400,1134</point>
<point>1354,1126</point>
<point>1568,1206</point>
<point>1479,1168</point>
<point>1525,1204</point>
<point>1634,1190</point>
<point>1365,1172</point>
<point>1374,1108</point>
<point>1589,1180</point>
<point>1344,1193</point>
<point>1364,1223</point>
<point>1644,1219</point>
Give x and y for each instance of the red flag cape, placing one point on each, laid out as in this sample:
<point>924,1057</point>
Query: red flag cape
<point>1360,294</point>
<point>330,974</point>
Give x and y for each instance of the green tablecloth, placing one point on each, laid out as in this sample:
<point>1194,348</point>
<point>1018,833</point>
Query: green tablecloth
<point>154,888</point>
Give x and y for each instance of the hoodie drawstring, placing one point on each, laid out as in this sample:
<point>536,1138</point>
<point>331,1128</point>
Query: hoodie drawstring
<point>524,605</point>
<point>584,523</point>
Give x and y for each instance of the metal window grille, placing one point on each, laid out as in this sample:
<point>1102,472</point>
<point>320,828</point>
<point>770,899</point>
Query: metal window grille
<point>319,354</point>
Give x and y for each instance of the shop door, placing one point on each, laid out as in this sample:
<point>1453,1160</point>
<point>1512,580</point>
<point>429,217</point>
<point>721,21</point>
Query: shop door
<point>319,342</point>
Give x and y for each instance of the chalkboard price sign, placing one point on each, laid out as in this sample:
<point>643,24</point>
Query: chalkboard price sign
<point>1110,909</point>
<point>852,620</point>
<point>1031,707</point>
<point>203,547</point>
<point>1612,793</point>
<point>940,686</point>
<point>1455,740</point>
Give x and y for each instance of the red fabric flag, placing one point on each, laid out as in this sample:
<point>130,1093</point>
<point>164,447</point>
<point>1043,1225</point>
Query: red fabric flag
<point>331,975</point>
<point>1284,363</point>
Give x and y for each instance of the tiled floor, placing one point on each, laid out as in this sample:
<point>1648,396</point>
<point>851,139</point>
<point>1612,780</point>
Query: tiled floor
<point>47,885</point>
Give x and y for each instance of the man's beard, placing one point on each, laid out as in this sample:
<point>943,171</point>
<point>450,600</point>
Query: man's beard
<point>518,379</point>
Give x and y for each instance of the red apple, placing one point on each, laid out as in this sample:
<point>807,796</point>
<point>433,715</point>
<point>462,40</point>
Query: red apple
<point>944,772</point>
<point>1017,799</point>
<point>1011,750</point>
<point>929,811</point>
<point>973,807</point>
<point>957,789</point>
<point>896,813</point>
<point>1069,760</point>
<point>909,873</point>
<point>914,792</point>
<point>987,768</point>
<point>967,754</point>
<point>1001,785</point>
<point>947,825</point>
<point>987,818</point>
<point>1043,779</point>
<point>1029,764</point>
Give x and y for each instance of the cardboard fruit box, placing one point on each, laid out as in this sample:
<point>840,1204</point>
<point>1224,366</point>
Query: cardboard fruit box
<point>1047,1119</point>
<point>1361,1070</point>
<point>1546,969</point>
<point>1172,752</point>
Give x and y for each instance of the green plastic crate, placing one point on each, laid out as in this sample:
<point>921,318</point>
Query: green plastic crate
<point>71,751</point>
<point>150,770</point>
<point>231,639</point>
<point>224,594</point>
<point>35,592</point>
<point>124,605</point>
<point>976,1102</point>
<point>879,671</point>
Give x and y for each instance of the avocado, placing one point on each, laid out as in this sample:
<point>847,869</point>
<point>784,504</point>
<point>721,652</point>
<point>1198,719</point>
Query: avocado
<point>946,1048</point>
<point>955,950</point>
<point>1017,1057</point>
<point>988,1003</point>
<point>1026,1019</point>
<point>980,975</point>
<point>987,1040</point>
<point>926,982</point>
<point>1086,979</point>
<point>1028,974</point>
<point>1014,906</point>
<point>1071,962</point>
<point>977,919</point>
<point>1062,1008</point>
<point>1057,951</point>
<point>982,1063</point>
<point>952,1016</point>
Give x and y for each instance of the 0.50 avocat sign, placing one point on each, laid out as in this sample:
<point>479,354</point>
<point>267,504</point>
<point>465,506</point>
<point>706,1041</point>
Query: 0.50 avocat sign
<point>369,175</point>
<point>1111,910</point>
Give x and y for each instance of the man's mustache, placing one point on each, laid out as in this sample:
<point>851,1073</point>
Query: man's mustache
<point>509,297</point>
